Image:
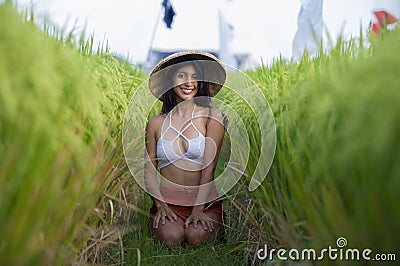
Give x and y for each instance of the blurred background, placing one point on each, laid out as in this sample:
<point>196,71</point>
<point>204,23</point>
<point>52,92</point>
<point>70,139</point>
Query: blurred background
<point>258,30</point>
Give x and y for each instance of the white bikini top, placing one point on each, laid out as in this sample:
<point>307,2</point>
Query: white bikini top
<point>165,148</point>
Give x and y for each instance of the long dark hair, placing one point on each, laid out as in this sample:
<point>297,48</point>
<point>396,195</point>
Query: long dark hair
<point>169,97</point>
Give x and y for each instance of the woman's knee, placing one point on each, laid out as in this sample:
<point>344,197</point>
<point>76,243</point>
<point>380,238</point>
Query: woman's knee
<point>196,236</point>
<point>169,233</point>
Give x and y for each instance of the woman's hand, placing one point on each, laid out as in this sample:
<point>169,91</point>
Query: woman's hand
<point>163,211</point>
<point>199,216</point>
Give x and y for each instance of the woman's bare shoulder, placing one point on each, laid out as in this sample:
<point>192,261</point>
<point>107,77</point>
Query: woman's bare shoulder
<point>216,114</point>
<point>156,121</point>
<point>213,114</point>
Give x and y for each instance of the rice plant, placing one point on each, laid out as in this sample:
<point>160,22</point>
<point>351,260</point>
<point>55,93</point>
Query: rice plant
<point>67,195</point>
<point>60,118</point>
<point>336,170</point>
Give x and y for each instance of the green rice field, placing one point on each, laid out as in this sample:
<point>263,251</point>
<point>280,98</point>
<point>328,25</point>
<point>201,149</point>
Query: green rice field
<point>68,197</point>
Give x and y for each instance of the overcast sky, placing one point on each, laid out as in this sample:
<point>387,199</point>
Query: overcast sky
<point>264,28</point>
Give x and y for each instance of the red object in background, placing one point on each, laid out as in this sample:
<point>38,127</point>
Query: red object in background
<point>375,27</point>
<point>385,17</point>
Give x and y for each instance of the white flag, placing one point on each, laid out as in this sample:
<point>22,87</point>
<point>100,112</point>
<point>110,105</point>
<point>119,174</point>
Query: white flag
<point>309,31</point>
<point>226,34</point>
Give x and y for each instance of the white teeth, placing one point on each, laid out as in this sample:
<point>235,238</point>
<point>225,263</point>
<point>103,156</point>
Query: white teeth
<point>187,90</point>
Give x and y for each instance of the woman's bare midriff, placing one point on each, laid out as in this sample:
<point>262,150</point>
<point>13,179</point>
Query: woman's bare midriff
<point>177,176</point>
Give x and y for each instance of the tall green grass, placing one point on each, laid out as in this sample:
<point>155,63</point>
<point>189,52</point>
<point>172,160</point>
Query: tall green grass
<point>337,166</point>
<point>61,112</point>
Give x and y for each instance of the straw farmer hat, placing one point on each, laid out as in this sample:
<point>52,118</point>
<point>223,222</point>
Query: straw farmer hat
<point>214,71</point>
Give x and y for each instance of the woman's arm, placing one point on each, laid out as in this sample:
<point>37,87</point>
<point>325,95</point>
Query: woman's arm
<point>150,174</point>
<point>150,166</point>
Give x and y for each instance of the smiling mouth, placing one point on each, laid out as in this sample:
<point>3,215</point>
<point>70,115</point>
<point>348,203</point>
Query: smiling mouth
<point>187,91</point>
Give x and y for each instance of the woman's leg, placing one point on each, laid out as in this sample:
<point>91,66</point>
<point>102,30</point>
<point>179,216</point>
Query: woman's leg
<point>170,233</point>
<point>197,236</point>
